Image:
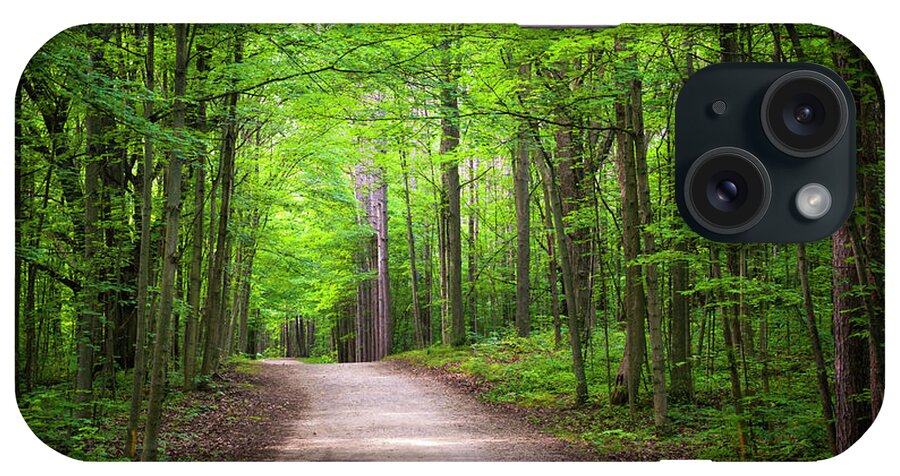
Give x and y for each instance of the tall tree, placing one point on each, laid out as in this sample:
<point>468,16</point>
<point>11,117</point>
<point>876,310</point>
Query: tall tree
<point>552,277</point>
<point>815,342</point>
<point>428,285</point>
<point>471,305</point>
<point>858,259</point>
<point>651,273</point>
<point>730,328</point>
<point>413,272</point>
<point>451,192</point>
<point>682,382</point>
<point>98,127</point>
<point>635,300</point>
<point>245,290</point>
<point>373,324</point>
<point>523,229</point>
<point>137,387</point>
<point>192,320</point>
<point>170,256</point>
<point>215,311</point>
<point>568,277</point>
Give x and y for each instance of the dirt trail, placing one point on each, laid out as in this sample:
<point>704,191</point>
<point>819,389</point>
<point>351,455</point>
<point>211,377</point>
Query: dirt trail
<point>381,412</point>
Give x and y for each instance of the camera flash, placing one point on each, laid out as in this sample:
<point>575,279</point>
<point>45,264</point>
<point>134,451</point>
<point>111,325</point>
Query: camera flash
<point>813,201</point>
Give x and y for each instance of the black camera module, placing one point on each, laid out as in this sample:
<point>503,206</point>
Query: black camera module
<point>804,113</point>
<point>779,166</point>
<point>727,190</point>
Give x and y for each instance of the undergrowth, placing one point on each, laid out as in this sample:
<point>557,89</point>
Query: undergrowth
<point>532,373</point>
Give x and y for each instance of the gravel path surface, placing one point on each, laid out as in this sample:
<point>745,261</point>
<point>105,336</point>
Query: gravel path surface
<point>380,411</point>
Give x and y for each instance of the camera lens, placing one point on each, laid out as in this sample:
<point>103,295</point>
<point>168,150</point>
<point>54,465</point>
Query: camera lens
<point>804,113</point>
<point>727,190</point>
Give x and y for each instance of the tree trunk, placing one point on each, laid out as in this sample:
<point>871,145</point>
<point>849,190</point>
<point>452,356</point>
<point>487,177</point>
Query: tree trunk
<point>551,271</point>
<point>238,273</point>
<point>748,349</point>
<point>821,371</point>
<point>635,302</point>
<point>303,349</point>
<point>230,268</point>
<point>471,308</point>
<point>682,388</point>
<point>214,305</point>
<point>373,323</point>
<point>523,231</point>
<point>858,261</point>
<point>97,126</point>
<point>581,389</point>
<point>450,180</point>
<point>730,50</point>
<point>170,257</point>
<point>660,403</point>
<point>137,387</point>
<point>383,323</point>
<point>799,54</point>
<point>728,332</point>
<point>737,267</point>
<point>443,277</point>
<point>866,237</point>
<point>413,274</point>
<point>195,283</point>
<point>574,186</point>
<point>191,325</point>
<point>31,337</point>
<point>244,305</point>
<point>851,359</point>
<point>426,309</point>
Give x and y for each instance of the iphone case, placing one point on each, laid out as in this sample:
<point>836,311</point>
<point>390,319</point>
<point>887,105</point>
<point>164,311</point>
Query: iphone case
<point>422,242</point>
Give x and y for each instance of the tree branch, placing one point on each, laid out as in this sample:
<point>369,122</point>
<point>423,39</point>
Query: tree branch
<point>72,284</point>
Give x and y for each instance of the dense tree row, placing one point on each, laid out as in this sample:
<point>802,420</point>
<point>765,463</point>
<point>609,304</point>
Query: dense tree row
<point>190,192</point>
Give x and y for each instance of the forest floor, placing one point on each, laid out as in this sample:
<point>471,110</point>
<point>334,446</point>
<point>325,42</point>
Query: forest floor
<point>236,417</point>
<point>286,410</point>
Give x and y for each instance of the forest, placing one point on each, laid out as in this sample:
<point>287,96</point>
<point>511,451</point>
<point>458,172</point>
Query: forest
<point>492,199</point>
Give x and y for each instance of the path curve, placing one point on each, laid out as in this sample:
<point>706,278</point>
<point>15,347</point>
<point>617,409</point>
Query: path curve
<point>378,411</point>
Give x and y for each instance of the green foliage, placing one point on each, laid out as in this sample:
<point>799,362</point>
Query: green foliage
<point>529,373</point>
<point>50,413</point>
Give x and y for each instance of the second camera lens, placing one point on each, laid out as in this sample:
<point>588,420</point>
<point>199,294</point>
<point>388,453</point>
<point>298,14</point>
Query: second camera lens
<point>804,113</point>
<point>727,190</point>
